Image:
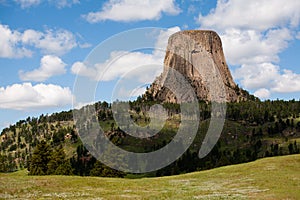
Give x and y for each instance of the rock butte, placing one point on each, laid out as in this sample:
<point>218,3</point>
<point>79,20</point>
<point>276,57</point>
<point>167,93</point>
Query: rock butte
<point>198,56</point>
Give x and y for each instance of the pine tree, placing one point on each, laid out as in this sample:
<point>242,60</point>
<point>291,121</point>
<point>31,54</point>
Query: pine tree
<point>64,169</point>
<point>40,158</point>
<point>57,158</point>
<point>97,170</point>
<point>100,169</point>
<point>3,163</point>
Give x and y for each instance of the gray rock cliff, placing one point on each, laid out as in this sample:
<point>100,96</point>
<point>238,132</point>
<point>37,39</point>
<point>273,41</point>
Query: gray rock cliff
<point>198,56</point>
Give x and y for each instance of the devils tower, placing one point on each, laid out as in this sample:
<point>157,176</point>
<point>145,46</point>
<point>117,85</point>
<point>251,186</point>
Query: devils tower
<point>198,56</point>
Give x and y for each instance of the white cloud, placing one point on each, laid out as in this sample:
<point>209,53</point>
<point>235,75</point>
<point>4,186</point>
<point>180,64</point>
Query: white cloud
<point>64,3</point>
<point>128,63</point>
<point>267,76</point>
<point>85,45</point>
<point>28,3</point>
<point>133,10</point>
<point>256,14</point>
<point>122,63</point>
<point>288,82</point>
<point>82,70</point>
<point>27,96</point>
<point>119,64</point>
<point>257,76</point>
<point>263,93</point>
<point>162,40</point>
<point>129,72</point>
<point>50,66</point>
<point>250,46</point>
<point>51,42</point>
<point>58,3</point>
<point>10,44</point>
<point>15,44</point>
<point>253,35</point>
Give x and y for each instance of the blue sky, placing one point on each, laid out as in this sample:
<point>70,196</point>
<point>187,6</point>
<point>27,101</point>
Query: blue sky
<point>44,43</point>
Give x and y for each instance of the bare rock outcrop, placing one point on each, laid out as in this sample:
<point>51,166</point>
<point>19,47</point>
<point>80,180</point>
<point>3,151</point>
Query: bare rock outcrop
<point>198,56</point>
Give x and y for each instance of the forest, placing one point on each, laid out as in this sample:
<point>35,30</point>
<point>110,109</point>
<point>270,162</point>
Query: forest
<point>50,144</point>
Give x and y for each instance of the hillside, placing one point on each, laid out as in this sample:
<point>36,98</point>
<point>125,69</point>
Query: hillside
<point>268,178</point>
<point>252,130</point>
<point>53,144</point>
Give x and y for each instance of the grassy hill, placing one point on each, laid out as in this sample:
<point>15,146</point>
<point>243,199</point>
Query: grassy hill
<point>268,178</point>
<point>252,130</point>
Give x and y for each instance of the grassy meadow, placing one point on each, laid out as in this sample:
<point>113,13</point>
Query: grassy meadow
<point>268,178</point>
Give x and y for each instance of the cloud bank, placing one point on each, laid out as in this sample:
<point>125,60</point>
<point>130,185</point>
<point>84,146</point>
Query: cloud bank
<point>121,62</point>
<point>253,35</point>
<point>131,10</point>
<point>15,44</point>
<point>29,97</point>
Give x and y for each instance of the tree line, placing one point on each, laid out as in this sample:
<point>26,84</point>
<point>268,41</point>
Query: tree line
<point>253,130</point>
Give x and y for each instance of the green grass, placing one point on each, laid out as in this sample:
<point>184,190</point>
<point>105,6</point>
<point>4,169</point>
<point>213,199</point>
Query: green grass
<point>269,178</point>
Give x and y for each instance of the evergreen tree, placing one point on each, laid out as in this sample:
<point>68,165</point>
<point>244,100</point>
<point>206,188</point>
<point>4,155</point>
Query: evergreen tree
<point>64,169</point>
<point>97,170</point>
<point>40,158</point>
<point>57,158</point>
<point>3,163</point>
<point>100,169</point>
<point>291,148</point>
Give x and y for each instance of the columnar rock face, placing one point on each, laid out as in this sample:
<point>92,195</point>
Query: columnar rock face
<point>199,57</point>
